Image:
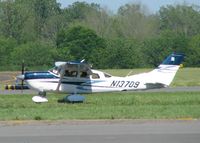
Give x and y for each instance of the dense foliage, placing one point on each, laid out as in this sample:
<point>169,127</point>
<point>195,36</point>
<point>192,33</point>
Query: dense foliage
<point>41,32</point>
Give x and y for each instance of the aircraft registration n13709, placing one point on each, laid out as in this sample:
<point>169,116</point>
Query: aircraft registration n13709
<point>79,77</point>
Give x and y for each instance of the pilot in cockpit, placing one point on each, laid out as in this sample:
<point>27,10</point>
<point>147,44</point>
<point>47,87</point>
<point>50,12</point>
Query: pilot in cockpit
<point>84,75</point>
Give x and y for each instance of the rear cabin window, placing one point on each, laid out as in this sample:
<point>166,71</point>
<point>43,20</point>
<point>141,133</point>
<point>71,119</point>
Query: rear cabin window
<point>107,75</point>
<point>95,76</point>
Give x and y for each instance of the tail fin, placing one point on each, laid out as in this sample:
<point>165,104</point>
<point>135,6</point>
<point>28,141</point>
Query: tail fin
<point>173,59</point>
<point>166,71</point>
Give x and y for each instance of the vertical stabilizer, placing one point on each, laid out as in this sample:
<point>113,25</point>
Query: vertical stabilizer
<point>166,71</point>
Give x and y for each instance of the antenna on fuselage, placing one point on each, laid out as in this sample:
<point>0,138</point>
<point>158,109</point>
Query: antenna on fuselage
<point>83,60</point>
<point>129,73</point>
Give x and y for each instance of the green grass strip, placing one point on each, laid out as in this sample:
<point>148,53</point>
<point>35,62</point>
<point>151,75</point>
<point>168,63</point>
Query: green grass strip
<point>121,105</point>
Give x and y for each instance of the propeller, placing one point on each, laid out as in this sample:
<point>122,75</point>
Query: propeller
<point>21,76</point>
<point>22,73</point>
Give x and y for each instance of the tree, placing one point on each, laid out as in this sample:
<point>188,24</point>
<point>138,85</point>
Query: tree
<point>27,20</point>
<point>100,22</point>
<point>156,49</point>
<point>123,54</point>
<point>7,45</point>
<point>34,54</point>
<point>193,52</point>
<point>44,9</point>
<point>80,42</point>
<point>135,23</point>
<point>11,19</point>
<point>79,10</point>
<point>181,19</point>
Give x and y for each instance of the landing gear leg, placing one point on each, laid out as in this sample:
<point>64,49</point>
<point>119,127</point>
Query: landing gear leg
<point>42,93</point>
<point>40,98</point>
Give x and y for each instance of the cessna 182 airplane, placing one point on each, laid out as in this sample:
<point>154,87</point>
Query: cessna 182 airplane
<point>79,77</point>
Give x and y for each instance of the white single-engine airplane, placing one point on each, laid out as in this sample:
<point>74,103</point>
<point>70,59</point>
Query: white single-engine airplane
<point>78,77</point>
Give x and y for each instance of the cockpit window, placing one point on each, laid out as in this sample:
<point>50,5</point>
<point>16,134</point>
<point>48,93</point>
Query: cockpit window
<point>54,70</point>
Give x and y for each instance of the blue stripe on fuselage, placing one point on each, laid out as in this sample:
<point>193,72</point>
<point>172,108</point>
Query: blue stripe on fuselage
<point>82,83</point>
<point>48,75</point>
<point>39,75</point>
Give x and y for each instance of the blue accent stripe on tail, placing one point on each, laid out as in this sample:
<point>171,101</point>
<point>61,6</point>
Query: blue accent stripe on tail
<point>174,59</point>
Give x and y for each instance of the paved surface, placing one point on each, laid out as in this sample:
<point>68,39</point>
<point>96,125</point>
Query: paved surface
<point>101,132</point>
<point>7,92</point>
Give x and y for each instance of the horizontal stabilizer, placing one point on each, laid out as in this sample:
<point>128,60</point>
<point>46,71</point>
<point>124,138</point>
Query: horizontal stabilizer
<point>155,85</point>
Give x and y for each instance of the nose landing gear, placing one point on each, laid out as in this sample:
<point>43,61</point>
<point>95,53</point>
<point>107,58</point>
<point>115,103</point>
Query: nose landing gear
<point>40,98</point>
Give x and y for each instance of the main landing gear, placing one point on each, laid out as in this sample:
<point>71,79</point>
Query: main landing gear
<point>72,98</point>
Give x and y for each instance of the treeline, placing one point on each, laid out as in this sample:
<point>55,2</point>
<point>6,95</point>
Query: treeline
<point>40,32</point>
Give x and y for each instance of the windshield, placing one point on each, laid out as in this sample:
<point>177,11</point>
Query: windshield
<point>54,70</point>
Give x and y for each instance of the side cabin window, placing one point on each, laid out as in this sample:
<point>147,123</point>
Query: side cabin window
<point>71,73</point>
<point>75,74</point>
<point>95,76</point>
<point>83,75</point>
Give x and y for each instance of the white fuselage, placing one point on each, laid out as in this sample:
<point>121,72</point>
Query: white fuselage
<point>98,82</point>
<point>102,82</point>
<point>78,77</point>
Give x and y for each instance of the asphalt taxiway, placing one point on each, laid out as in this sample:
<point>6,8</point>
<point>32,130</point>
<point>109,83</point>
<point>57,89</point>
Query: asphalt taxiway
<point>135,131</point>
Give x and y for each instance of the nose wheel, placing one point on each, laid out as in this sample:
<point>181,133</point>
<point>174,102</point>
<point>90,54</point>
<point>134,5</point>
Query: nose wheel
<point>40,98</point>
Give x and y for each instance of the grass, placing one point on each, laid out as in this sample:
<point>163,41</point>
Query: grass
<point>187,77</point>
<point>121,105</point>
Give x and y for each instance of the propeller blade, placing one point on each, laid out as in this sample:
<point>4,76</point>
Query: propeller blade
<point>22,85</point>
<point>22,73</point>
<point>22,67</point>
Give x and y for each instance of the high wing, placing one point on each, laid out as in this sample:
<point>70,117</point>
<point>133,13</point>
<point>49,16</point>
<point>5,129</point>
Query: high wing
<point>74,70</point>
<point>74,66</point>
